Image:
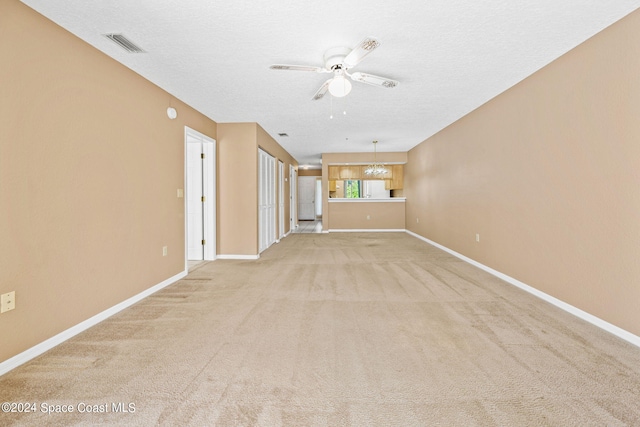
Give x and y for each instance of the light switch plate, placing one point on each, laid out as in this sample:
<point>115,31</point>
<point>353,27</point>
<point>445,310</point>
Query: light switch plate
<point>7,301</point>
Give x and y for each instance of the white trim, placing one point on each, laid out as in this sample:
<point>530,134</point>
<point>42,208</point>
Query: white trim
<point>385,200</point>
<point>366,230</point>
<point>220,256</point>
<point>602,324</point>
<point>63,336</point>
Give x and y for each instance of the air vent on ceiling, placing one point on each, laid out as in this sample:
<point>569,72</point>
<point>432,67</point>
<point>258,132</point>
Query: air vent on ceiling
<point>124,43</point>
<point>283,135</point>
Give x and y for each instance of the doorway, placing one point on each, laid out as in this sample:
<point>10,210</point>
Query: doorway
<point>200,196</point>
<point>307,198</point>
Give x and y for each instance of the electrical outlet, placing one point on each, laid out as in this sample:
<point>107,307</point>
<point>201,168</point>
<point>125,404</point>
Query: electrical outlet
<point>417,220</point>
<point>7,301</point>
<point>180,193</point>
<point>477,237</point>
<point>165,251</point>
<point>368,216</point>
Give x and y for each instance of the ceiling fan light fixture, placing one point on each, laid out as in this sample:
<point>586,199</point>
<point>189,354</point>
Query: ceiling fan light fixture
<point>339,86</point>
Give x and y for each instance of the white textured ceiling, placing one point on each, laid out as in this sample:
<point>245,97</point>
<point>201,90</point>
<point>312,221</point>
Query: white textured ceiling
<point>450,57</point>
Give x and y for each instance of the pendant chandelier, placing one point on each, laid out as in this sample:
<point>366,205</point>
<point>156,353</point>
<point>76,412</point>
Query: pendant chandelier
<point>375,168</point>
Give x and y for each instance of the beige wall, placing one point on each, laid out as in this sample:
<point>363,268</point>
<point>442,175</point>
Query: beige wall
<point>237,189</point>
<point>89,171</point>
<point>354,158</point>
<point>310,172</point>
<point>367,215</point>
<point>238,145</point>
<point>548,174</point>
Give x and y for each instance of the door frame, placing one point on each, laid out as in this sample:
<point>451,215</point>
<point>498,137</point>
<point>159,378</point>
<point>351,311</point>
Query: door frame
<point>209,193</point>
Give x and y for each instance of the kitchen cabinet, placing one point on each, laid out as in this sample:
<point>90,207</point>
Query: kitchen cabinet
<point>334,173</point>
<point>351,172</point>
<point>397,178</point>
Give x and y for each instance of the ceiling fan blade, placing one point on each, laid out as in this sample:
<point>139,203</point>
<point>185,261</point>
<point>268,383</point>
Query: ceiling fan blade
<point>370,79</point>
<point>321,92</point>
<point>358,53</point>
<point>298,68</point>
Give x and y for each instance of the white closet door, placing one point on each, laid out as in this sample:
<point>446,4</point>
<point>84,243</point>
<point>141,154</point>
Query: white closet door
<point>293,198</point>
<point>266,200</point>
<point>280,199</point>
<point>262,205</point>
<point>272,201</point>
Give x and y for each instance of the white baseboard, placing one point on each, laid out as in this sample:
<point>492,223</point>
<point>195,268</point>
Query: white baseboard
<point>63,336</point>
<point>245,257</point>
<point>367,230</point>
<point>602,324</point>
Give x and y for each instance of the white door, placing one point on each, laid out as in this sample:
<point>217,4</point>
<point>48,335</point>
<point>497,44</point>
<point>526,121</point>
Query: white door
<point>200,197</point>
<point>272,206</point>
<point>280,200</point>
<point>209,192</point>
<point>266,200</point>
<point>293,198</point>
<point>195,207</point>
<point>306,197</point>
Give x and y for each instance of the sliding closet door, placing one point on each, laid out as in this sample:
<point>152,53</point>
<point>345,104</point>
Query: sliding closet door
<point>280,200</point>
<point>266,200</point>
<point>293,198</point>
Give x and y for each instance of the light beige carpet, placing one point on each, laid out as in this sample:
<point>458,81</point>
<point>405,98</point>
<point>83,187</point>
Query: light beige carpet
<point>336,330</point>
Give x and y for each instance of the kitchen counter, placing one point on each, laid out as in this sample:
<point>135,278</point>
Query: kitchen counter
<point>367,214</point>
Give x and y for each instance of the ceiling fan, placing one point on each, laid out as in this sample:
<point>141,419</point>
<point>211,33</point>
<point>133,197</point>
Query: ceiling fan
<point>338,61</point>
